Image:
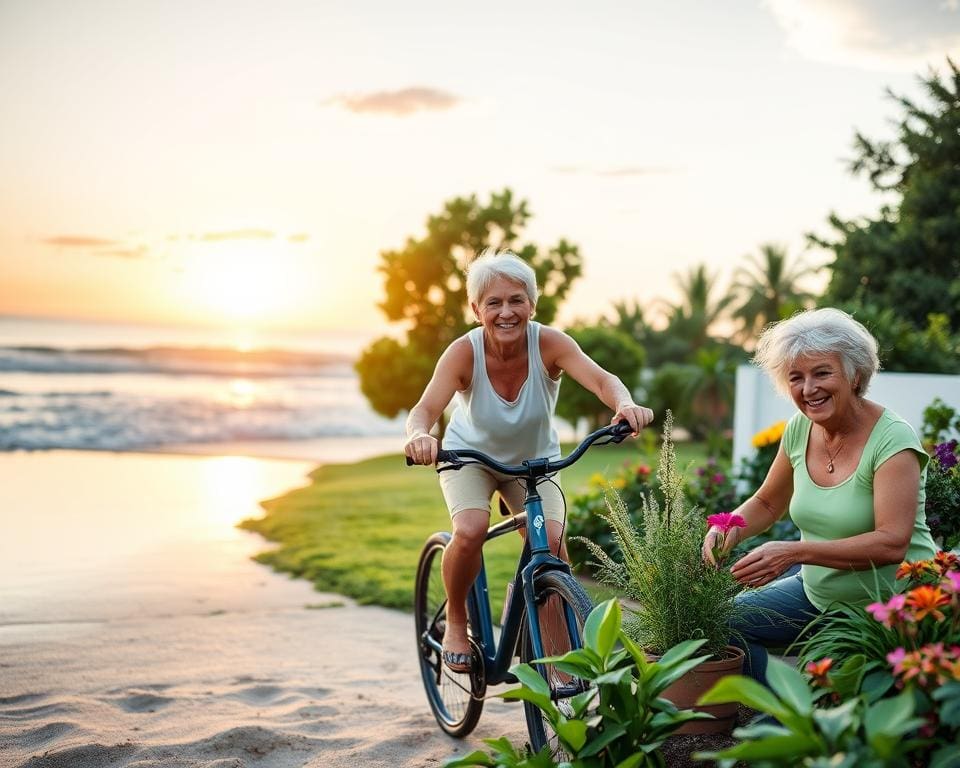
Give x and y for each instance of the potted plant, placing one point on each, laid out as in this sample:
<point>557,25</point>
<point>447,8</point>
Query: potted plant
<point>674,595</point>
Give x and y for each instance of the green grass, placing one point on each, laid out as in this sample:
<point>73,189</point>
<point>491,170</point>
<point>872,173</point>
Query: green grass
<point>357,528</point>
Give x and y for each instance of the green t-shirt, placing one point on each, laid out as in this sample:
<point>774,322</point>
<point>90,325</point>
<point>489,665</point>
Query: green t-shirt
<point>845,510</point>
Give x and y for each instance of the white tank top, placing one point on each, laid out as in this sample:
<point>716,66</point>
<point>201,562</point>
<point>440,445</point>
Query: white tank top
<point>508,431</point>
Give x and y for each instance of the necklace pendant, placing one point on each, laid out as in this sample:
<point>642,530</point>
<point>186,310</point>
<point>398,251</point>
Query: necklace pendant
<point>830,467</point>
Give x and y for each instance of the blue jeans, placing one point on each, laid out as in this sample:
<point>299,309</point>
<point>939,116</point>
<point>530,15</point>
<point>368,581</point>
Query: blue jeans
<point>772,616</point>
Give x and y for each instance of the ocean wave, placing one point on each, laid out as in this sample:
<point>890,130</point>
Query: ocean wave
<point>123,425</point>
<point>174,361</point>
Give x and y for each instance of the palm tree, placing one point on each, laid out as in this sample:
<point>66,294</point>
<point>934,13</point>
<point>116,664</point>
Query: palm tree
<point>692,318</point>
<point>768,289</point>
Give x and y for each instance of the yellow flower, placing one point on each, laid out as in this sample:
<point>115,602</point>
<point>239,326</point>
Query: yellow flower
<point>768,436</point>
<point>620,483</point>
<point>597,479</point>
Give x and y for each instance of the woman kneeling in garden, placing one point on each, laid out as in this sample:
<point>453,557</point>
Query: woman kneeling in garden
<point>851,473</point>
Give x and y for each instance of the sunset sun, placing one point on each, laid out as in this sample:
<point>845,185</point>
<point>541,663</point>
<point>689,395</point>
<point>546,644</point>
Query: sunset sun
<point>242,282</point>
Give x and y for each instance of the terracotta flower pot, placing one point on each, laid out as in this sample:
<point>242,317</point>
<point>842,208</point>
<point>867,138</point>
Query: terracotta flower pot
<point>685,692</point>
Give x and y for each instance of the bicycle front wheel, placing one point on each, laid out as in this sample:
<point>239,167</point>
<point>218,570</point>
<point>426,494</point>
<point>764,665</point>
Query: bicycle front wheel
<point>562,610</point>
<point>455,699</point>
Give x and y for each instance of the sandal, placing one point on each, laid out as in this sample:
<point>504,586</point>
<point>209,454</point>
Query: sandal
<point>458,662</point>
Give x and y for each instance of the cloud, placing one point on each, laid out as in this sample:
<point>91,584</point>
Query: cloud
<point>125,253</point>
<point>399,103</point>
<point>80,241</point>
<point>621,172</point>
<point>892,35</point>
<point>236,234</point>
<point>99,246</point>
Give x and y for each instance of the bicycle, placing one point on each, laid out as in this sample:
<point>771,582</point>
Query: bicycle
<point>540,578</point>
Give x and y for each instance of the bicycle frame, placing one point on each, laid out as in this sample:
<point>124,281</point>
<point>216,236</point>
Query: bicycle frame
<point>535,557</point>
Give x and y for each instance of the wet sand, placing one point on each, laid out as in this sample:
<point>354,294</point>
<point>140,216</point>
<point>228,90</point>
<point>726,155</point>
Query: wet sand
<point>135,631</point>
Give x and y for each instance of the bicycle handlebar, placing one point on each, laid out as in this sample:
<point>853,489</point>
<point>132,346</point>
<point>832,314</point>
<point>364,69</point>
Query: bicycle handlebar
<point>534,467</point>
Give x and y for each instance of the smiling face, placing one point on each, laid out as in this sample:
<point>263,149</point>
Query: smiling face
<point>504,310</point>
<point>820,388</point>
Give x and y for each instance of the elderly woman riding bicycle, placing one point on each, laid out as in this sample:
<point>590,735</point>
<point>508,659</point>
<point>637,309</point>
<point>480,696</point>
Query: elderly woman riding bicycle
<point>505,376</point>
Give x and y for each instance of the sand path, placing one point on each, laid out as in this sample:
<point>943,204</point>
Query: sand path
<point>273,686</point>
<point>135,631</point>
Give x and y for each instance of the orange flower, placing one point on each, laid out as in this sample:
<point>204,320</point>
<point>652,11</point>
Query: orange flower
<point>915,570</point>
<point>927,600</point>
<point>818,671</point>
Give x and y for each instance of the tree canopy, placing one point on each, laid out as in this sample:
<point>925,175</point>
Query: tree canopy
<point>425,289</point>
<point>611,349</point>
<point>908,257</point>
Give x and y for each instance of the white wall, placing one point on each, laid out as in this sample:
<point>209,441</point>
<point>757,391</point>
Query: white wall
<point>758,405</point>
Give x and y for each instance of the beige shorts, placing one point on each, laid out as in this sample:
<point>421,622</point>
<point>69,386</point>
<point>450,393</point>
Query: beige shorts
<point>472,487</point>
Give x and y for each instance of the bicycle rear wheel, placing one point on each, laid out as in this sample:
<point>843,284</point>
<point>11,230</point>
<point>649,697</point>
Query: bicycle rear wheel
<point>454,698</point>
<point>563,607</point>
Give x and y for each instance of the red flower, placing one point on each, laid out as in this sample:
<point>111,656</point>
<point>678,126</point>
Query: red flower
<point>946,561</point>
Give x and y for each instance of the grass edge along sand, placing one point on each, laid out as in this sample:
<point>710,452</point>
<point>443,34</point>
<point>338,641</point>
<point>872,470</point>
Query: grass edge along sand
<point>357,529</point>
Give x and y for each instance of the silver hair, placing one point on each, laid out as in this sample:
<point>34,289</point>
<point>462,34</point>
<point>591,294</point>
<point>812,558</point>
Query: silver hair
<point>490,265</point>
<point>818,332</point>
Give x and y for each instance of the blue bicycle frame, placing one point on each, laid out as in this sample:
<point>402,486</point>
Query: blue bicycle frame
<point>535,558</point>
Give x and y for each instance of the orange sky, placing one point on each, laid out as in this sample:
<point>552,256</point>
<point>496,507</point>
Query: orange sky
<point>244,165</point>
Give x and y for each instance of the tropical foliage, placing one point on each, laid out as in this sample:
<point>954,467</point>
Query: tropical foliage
<point>769,289</point>
<point>908,642</point>
<point>620,720</point>
<point>857,733</point>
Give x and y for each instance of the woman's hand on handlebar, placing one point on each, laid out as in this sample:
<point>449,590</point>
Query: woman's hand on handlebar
<point>422,448</point>
<point>637,416</point>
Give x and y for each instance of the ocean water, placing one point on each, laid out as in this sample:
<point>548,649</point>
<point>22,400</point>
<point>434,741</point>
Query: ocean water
<point>98,386</point>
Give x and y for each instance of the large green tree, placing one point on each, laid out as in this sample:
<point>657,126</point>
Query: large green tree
<point>768,289</point>
<point>908,257</point>
<point>426,291</point>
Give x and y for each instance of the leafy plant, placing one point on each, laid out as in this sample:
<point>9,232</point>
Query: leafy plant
<point>943,494</point>
<point>939,419</point>
<point>712,489</point>
<point>620,720</point>
<point>910,642</point>
<point>856,734</point>
<point>679,596</point>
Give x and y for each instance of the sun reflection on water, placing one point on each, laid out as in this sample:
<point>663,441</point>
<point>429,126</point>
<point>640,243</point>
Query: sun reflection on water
<point>231,487</point>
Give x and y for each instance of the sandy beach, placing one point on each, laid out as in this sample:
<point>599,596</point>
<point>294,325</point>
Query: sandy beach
<point>135,630</point>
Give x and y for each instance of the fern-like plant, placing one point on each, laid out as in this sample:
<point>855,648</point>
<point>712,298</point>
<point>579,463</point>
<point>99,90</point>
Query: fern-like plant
<point>658,565</point>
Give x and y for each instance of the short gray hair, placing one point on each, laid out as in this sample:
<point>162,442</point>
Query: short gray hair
<point>490,265</point>
<point>818,332</point>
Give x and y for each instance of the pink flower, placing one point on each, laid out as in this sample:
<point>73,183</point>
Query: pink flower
<point>890,612</point>
<point>725,521</point>
<point>951,582</point>
<point>896,657</point>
